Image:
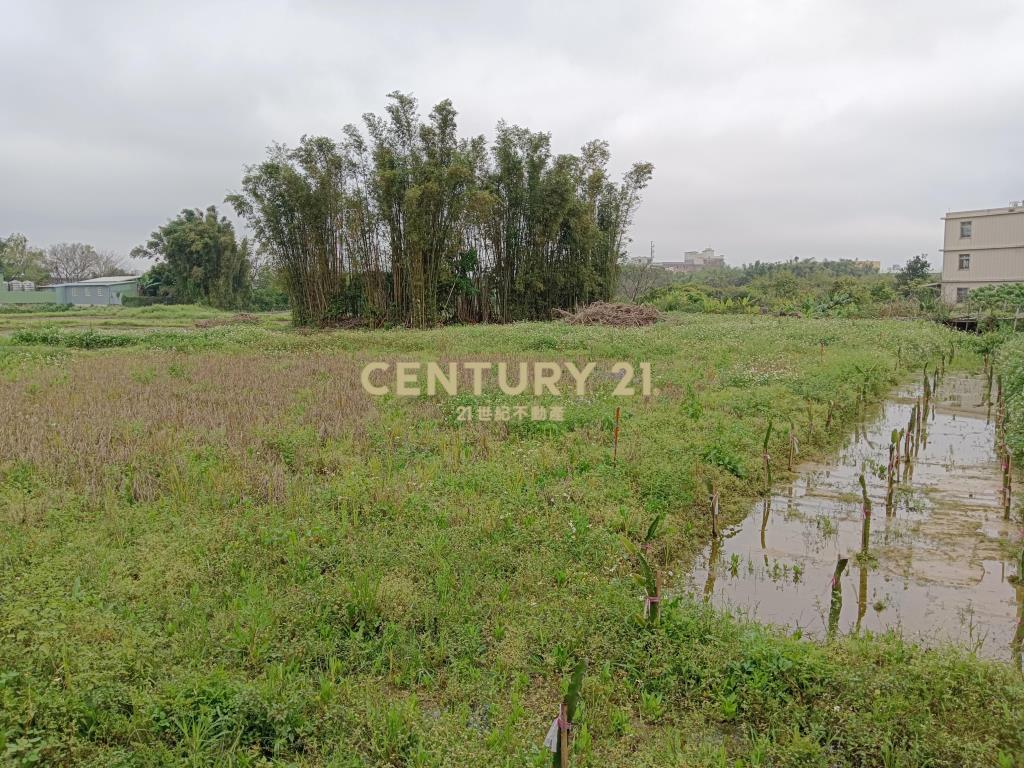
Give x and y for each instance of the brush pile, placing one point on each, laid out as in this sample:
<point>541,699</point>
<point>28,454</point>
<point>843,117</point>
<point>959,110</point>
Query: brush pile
<point>242,318</point>
<point>617,315</point>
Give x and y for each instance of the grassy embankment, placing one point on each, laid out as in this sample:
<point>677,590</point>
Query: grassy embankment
<point>217,549</point>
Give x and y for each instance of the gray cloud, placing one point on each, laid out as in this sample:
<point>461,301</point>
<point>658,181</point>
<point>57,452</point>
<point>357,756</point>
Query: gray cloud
<point>822,128</point>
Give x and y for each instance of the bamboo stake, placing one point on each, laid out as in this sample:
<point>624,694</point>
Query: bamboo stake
<point>836,602</point>
<point>767,460</point>
<point>714,512</point>
<point>563,736</point>
<point>917,429</point>
<point>865,531</point>
<point>893,468</point>
<point>1007,482</point>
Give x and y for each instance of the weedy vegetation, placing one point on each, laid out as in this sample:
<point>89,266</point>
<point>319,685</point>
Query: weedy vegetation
<point>217,549</point>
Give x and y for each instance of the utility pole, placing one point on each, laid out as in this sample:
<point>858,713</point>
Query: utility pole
<point>652,251</point>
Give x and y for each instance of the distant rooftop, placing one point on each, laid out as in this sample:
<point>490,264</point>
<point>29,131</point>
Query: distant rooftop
<point>1013,207</point>
<point>116,280</point>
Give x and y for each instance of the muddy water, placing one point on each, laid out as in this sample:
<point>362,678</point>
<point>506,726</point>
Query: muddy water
<point>939,566</point>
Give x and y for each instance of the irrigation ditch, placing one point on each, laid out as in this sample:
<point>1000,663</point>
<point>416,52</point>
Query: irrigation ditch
<point>910,527</point>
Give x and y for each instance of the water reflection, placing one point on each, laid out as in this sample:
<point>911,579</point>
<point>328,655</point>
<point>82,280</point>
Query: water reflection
<point>936,567</point>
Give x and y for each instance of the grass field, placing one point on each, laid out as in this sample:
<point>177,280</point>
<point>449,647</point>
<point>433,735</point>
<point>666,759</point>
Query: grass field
<point>217,549</point>
<point>138,319</point>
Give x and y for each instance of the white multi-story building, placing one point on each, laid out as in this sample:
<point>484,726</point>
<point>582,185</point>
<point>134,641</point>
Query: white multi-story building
<point>694,261</point>
<point>983,247</point>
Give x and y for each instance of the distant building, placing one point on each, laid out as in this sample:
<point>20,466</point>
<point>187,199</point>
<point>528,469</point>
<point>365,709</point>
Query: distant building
<point>695,261</point>
<point>982,247</point>
<point>99,290</point>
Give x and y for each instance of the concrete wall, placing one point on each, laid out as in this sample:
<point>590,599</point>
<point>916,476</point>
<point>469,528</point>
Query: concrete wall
<point>96,295</point>
<point>995,247</point>
<point>44,296</point>
<point>988,230</point>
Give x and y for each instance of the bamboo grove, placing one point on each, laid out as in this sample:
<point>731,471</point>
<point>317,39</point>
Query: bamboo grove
<point>411,224</point>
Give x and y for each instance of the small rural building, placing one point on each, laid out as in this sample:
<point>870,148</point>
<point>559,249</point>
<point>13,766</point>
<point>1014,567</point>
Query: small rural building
<point>98,290</point>
<point>982,247</point>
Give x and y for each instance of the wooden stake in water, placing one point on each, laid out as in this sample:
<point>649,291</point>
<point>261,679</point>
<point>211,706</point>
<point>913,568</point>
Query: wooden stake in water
<point>615,436</point>
<point>1000,411</point>
<point>714,511</point>
<point>908,436</point>
<point>865,530</point>
<point>1007,482</point>
<point>894,463</point>
<point>927,396</point>
<point>918,427</point>
<point>836,602</point>
<point>767,460</point>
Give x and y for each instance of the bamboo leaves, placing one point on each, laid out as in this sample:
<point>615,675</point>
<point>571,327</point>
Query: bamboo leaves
<point>415,225</point>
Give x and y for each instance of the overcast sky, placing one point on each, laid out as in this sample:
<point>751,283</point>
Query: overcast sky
<point>810,128</point>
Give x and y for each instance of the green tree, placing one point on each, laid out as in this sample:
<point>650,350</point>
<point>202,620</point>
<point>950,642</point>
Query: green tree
<point>204,262</point>
<point>912,274</point>
<point>20,261</point>
<point>294,203</point>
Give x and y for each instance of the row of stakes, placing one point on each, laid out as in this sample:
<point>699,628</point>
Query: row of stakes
<point>904,446</point>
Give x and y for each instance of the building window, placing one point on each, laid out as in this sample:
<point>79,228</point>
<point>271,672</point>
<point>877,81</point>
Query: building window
<point>74,291</point>
<point>965,228</point>
<point>965,261</point>
<point>961,295</point>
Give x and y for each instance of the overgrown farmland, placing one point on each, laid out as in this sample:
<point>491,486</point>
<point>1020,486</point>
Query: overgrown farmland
<point>217,549</point>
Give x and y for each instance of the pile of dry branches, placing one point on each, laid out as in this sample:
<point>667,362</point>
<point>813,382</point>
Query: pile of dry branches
<point>618,315</point>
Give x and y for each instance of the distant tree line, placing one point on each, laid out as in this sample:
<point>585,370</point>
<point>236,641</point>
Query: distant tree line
<point>412,224</point>
<point>832,288</point>
<point>60,263</point>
